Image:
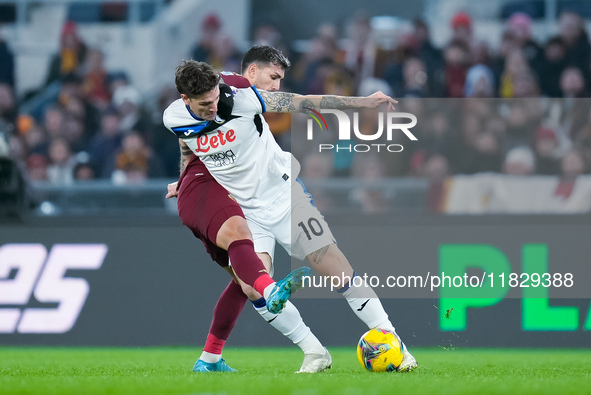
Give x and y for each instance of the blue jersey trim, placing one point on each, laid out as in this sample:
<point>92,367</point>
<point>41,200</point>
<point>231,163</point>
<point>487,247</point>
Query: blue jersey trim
<point>260,98</point>
<point>306,192</point>
<point>189,131</point>
<point>193,114</point>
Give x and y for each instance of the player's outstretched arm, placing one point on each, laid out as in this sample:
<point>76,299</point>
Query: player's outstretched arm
<point>291,102</point>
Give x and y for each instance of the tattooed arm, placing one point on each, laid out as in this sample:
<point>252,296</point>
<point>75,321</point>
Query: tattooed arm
<point>185,155</point>
<point>291,102</point>
<point>186,152</point>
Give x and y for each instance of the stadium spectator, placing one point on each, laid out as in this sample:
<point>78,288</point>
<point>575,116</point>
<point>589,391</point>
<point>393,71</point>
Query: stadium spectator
<point>134,162</point>
<point>210,28</point>
<point>507,45</point>
<point>105,143</point>
<point>61,163</point>
<point>481,53</point>
<point>71,100</point>
<point>360,48</point>
<point>572,83</point>
<point>115,80</point>
<point>525,84</point>
<point>551,66</point>
<point>519,24</point>
<point>94,87</point>
<point>224,55</point>
<point>457,62</point>
<point>37,167</point>
<point>70,57</point>
<point>73,132</point>
<point>33,134</point>
<point>216,47</point>
<point>84,171</point>
<point>322,50</point>
<point>430,55</point>
<point>516,66</point>
<point>519,161</point>
<point>414,72</point>
<point>480,82</point>
<point>571,29</point>
<point>268,34</point>
<point>416,67</point>
<point>461,25</point>
<point>127,102</point>
<point>53,121</point>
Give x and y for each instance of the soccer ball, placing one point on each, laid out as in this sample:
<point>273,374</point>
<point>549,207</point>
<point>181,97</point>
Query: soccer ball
<point>380,350</point>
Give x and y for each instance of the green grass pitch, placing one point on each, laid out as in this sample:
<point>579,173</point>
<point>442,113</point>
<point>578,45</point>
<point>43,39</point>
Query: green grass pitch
<point>26,370</point>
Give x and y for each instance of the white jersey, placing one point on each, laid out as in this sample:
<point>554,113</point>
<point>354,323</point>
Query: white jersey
<point>248,163</point>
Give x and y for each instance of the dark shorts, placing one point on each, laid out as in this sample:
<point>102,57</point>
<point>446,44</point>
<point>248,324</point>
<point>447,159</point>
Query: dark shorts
<point>204,206</point>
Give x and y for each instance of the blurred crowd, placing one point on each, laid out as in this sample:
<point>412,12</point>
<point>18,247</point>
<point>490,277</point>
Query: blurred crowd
<point>518,108</point>
<point>85,122</point>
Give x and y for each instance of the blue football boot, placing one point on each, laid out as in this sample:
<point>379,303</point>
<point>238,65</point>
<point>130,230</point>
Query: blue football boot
<point>219,366</point>
<point>285,287</point>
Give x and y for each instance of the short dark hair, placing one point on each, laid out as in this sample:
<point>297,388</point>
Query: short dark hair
<point>194,78</point>
<point>265,55</point>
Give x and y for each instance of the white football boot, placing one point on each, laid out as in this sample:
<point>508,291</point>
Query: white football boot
<point>315,363</point>
<point>408,363</point>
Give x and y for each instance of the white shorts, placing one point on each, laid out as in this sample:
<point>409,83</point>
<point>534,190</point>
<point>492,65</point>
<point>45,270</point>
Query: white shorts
<point>293,221</point>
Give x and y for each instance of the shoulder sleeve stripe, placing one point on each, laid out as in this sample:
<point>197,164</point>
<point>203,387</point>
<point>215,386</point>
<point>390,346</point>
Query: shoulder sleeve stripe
<point>189,131</point>
<point>191,113</point>
<point>260,98</point>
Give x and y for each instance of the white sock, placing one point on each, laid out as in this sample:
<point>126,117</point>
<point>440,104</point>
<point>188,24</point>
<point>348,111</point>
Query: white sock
<point>268,290</point>
<point>290,323</point>
<point>209,357</point>
<point>366,305</point>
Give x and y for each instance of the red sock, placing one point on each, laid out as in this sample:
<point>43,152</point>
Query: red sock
<point>225,314</point>
<point>261,283</point>
<point>213,345</point>
<point>247,265</point>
